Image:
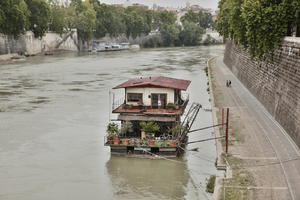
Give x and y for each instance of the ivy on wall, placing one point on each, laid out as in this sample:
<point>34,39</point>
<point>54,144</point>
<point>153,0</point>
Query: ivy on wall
<point>258,25</point>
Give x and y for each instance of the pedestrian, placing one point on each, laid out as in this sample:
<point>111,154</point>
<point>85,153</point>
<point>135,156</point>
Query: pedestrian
<point>229,83</point>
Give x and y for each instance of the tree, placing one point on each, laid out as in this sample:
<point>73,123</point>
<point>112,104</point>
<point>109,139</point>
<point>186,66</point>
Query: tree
<point>58,16</point>
<point>258,25</point>
<point>164,18</point>
<point>39,16</point>
<point>170,35</point>
<point>191,34</point>
<point>190,16</point>
<point>203,19</point>
<point>229,21</point>
<point>82,16</point>
<point>13,17</point>
<point>134,24</point>
<point>149,127</point>
<point>110,20</point>
<point>267,22</point>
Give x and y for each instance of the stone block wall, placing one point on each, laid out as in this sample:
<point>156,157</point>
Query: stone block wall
<point>31,45</point>
<point>275,84</point>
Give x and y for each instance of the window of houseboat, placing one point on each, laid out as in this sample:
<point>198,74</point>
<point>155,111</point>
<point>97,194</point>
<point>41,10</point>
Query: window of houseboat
<point>135,97</point>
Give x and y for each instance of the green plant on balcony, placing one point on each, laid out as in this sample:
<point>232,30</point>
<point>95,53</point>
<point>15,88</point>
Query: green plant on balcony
<point>176,130</point>
<point>126,127</point>
<point>171,106</point>
<point>112,129</point>
<point>149,127</point>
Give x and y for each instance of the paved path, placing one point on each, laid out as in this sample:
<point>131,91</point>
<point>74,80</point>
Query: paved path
<point>269,139</point>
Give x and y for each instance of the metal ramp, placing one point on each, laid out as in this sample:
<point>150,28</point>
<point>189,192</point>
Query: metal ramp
<point>189,119</point>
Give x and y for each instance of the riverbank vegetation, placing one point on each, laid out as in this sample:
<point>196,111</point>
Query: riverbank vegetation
<point>93,19</point>
<point>258,25</point>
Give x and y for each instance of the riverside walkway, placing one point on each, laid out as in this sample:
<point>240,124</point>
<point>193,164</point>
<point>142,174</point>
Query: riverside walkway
<point>265,162</point>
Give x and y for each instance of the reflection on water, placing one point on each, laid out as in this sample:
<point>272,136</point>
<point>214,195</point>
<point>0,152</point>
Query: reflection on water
<point>137,178</point>
<point>53,116</point>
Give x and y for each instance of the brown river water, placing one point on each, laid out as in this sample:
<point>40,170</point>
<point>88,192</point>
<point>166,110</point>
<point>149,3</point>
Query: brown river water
<point>53,115</point>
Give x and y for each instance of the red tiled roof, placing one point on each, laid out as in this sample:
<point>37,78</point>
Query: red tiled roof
<point>157,81</point>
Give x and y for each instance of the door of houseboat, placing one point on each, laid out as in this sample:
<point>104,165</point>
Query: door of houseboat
<point>158,100</point>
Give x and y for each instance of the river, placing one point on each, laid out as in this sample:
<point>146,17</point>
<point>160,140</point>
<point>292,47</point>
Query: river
<point>53,116</point>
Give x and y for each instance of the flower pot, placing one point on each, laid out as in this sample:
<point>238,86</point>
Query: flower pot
<point>115,140</point>
<point>173,143</point>
<point>125,141</point>
<point>151,142</point>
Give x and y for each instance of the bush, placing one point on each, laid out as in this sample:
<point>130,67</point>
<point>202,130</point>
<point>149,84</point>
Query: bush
<point>126,128</point>
<point>171,105</point>
<point>112,128</point>
<point>153,41</point>
<point>149,127</point>
<point>211,184</point>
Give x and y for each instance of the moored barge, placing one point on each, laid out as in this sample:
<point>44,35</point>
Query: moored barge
<point>150,118</point>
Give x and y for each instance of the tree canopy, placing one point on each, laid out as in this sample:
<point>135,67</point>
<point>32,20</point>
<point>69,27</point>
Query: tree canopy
<point>39,16</point>
<point>93,19</point>
<point>258,25</point>
<point>13,17</point>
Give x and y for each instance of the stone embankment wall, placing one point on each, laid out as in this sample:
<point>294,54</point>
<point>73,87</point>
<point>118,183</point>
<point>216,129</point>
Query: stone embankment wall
<point>27,43</point>
<point>276,85</point>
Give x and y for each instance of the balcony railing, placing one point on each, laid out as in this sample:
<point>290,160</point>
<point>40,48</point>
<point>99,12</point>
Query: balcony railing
<point>120,106</point>
<point>118,103</point>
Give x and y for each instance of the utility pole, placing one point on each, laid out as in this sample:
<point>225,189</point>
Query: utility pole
<point>226,133</point>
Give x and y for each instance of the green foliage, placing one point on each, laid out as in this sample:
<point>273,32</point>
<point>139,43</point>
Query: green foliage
<point>39,16</point>
<point>210,186</point>
<point>170,34</point>
<point>84,19</point>
<point>134,24</point>
<point>166,18</point>
<point>112,128</point>
<point>203,19</point>
<point>110,20</point>
<point>209,40</point>
<point>58,16</point>
<point>149,127</point>
<point>191,34</point>
<point>13,17</point>
<point>126,127</point>
<point>176,129</point>
<point>153,41</point>
<point>171,105</point>
<point>93,19</point>
<point>266,23</point>
<point>258,25</point>
<point>230,22</point>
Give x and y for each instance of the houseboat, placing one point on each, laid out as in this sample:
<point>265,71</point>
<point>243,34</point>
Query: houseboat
<point>149,117</point>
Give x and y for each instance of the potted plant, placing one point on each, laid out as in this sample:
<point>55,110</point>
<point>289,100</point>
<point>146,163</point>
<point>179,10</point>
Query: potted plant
<point>171,106</point>
<point>150,128</point>
<point>176,130</point>
<point>112,131</point>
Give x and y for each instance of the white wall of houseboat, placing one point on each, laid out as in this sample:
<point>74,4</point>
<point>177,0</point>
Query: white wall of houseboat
<point>147,91</point>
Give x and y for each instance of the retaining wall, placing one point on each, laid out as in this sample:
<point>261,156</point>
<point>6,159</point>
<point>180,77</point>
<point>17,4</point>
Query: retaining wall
<point>27,43</point>
<point>275,84</point>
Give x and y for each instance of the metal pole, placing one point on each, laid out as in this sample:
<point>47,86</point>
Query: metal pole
<point>200,129</point>
<point>109,106</point>
<point>226,134</point>
<point>222,119</point>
